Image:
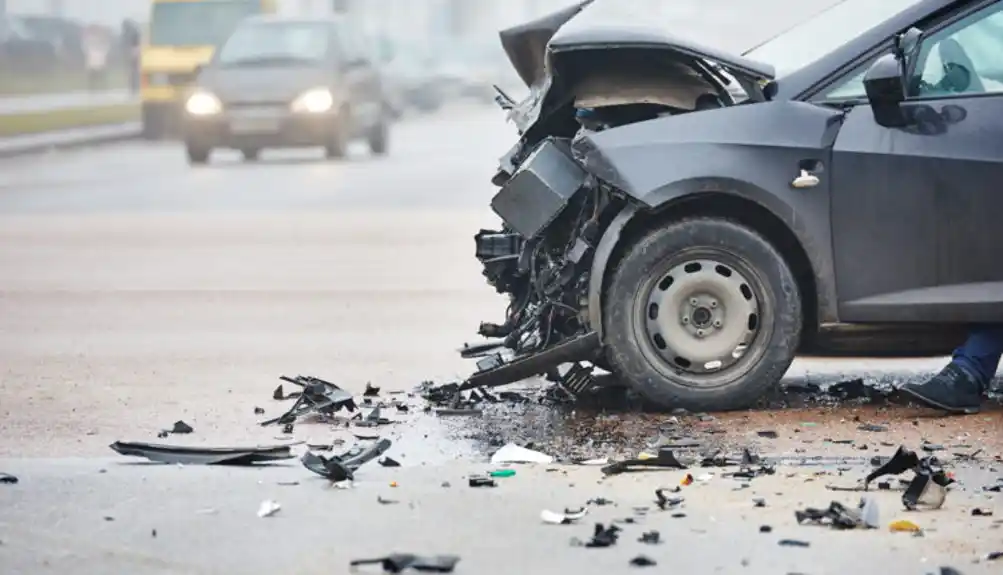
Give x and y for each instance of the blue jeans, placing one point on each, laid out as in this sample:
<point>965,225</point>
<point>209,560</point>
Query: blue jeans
<point>980,354</point>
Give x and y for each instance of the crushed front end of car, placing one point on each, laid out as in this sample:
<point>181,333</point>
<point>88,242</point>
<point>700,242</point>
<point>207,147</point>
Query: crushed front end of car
<point>556,203</point>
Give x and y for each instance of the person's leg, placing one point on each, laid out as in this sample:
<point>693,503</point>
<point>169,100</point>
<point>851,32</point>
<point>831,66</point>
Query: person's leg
<point>980,354</point>
<point>959,386</point>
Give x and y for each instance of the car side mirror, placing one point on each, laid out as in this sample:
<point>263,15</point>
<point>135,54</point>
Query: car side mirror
<point>907,44</point>
<point>885,85</point>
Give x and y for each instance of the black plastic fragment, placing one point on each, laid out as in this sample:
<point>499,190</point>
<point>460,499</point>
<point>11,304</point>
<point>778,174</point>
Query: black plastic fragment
<point>768,434</point>
<point>342,467</point>
<point>603,536</point>
<point>318,396</point>
<point>642,561</point>
<point>837,515</point>
<point>480,481</point>
<point>980,512</point>
<point>203,455</point>
<point>8,479</point>
<point>651,538</point>
<point>181,427</point>
<point>665,459</point>
<point>388,462</point>
<point>400,562</point>
<point>903,460</point>
<point>664,502</point>
<point>793,543</point>
<point>752,472</point>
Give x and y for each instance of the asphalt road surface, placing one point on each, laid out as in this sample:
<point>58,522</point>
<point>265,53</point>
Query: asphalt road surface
<point>136,291</point>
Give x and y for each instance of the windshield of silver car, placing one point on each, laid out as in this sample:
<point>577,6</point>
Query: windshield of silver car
<point>824,32</point>
<point>269,42</point>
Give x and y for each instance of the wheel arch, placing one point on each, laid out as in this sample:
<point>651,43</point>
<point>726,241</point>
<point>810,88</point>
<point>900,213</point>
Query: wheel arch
<point>725,200</point>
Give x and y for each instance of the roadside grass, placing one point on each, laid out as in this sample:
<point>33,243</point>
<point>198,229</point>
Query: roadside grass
<point>57,82</point>
<point>64,119</point>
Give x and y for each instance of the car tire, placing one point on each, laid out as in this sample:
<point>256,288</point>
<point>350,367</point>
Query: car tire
<point>197,155</point>
<point>707,283</point>
<point>250,154</point>
<point>379,138</point>
<point>337,143</point>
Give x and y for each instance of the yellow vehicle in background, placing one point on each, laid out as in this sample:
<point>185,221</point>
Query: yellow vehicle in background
<point>181,37</point>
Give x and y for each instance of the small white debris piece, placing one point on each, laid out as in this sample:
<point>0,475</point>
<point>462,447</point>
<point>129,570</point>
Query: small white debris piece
<point>705,477</point>
<point>569,516</point>
<point>512,453</point>
<point>870,515</point>
<point>601,461</point>
<point>268,508</point>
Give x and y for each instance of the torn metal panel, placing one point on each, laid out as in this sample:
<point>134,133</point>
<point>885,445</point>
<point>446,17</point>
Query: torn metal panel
<point>203,455</point>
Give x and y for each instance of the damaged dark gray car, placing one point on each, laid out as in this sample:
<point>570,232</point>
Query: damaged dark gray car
<point>691,219</point>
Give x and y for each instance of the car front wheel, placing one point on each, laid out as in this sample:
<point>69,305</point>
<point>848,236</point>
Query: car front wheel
<point>197,154</point>
<point>379,138</point>
<point>703,314</point>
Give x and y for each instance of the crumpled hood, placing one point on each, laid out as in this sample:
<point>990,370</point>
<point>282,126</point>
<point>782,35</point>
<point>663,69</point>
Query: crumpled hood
<point>526,44</point>
<point>261,84</point>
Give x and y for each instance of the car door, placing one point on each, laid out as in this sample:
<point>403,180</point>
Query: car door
<point>917,212</point>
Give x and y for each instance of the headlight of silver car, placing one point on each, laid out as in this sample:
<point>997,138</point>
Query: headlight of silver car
<point>315,101</point>
<point>202,103</point>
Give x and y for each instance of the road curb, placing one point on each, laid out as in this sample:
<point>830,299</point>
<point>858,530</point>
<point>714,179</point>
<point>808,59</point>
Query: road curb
<point>68,139</point>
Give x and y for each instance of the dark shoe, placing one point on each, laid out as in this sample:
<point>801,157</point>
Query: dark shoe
<point>953,390</point>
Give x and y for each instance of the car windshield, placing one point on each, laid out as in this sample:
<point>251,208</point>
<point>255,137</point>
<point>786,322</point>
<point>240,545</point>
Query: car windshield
<point>276,42</point>
<point>809,41</point>
<point>197,23</point>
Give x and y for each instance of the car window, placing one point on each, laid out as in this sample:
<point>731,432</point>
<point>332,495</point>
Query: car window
<point>963,58</point>
<point>256,43</point>
<point>851,87</point>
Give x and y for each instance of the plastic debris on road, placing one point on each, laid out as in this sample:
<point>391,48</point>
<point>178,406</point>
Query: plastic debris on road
<point>568,517</point>
<point>268,508</point>
<point>512,453</point>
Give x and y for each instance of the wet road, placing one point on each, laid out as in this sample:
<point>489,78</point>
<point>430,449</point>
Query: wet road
<point>135,291</point>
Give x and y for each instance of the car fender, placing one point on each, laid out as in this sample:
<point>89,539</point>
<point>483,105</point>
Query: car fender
<point>752,152</point>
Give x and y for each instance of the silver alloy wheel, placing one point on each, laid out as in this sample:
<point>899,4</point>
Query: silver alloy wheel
<point>701,316</point>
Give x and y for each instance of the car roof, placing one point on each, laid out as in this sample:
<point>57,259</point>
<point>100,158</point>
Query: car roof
<point>797,83</point>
